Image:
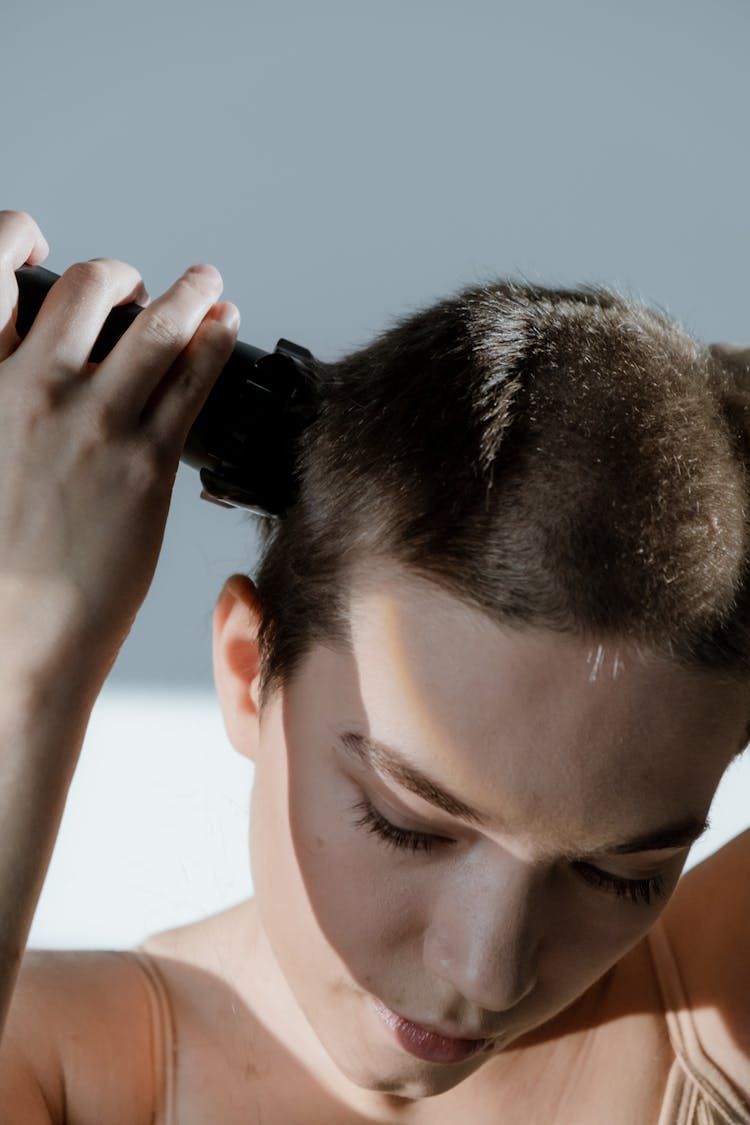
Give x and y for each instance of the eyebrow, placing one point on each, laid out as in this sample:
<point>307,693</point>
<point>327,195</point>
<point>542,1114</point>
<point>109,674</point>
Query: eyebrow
<point>386,760</point>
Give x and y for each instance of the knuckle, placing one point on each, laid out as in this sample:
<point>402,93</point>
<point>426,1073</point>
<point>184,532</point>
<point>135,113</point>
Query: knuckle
<point>41,399</point>
<point>161,327</point>
<point>89,275</point>
<point>110,265</point>
<point>197,290</point>
<point>149,467</point>
<point>104,421</point>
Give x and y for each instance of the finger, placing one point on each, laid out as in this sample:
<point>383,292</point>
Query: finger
<point>74,310</point>
<point>21,241</point>
<point>177,401</point>
<point>136,366</point>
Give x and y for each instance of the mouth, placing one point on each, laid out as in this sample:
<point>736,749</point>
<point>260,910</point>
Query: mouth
<point>428,1043</point>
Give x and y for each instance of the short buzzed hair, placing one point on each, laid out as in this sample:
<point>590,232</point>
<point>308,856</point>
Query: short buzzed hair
<point>568,459</point>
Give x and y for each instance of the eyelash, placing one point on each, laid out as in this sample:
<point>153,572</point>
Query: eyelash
<point>637,891</point>
<point>372,821</point>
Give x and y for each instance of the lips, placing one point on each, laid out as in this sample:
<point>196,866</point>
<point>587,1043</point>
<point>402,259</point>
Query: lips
<point>427,1043</point>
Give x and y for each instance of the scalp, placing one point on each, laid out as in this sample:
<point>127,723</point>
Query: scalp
<point>567,458</point>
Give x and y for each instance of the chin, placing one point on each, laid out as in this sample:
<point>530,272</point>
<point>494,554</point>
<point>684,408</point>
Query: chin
<point>402,1076</point>
<point>411,1087</point>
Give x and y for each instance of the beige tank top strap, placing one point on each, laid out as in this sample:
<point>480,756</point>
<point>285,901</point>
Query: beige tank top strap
<point>697,1093</point>
<point>164,1043</point>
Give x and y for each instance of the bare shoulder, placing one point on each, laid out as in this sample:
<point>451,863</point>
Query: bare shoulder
<point>206,968</point>
<point>708,925</point>
<point>215,944</point>
<point>74,1015</point>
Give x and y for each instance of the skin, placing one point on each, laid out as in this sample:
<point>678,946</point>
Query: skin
<point>567,748</point>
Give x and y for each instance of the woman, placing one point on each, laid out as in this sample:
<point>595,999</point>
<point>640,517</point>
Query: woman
<point>491,671</point>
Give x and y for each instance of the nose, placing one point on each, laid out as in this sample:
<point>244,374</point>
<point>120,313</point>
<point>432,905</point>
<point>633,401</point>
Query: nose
<point>481,934</point>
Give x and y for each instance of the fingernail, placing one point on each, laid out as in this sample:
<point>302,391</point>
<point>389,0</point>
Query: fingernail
<point>207,271</point>
<point>229,315</point>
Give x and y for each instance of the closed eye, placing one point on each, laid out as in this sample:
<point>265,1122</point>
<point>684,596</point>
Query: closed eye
<point>374,822</point>
<point>636,891</point>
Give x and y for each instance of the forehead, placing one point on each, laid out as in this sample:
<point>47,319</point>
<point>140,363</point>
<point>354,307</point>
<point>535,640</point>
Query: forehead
<point>559,734</point>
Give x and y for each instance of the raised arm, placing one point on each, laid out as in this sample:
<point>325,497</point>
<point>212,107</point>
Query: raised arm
<point>88,457</point>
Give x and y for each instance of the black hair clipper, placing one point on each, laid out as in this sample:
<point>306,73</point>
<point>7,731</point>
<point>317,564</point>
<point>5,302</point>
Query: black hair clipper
<point>244,440</point>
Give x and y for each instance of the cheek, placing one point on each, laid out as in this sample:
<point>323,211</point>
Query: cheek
<point>585,933</point>
<point>328,893</point>
<point>364,908</point>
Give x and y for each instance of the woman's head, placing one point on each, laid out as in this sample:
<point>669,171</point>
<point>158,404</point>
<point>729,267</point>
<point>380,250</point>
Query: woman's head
<point>517,560</point>
<point>566,459</point>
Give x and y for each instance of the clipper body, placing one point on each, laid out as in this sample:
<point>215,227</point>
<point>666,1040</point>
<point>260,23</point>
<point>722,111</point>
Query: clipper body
<point>244,440</point>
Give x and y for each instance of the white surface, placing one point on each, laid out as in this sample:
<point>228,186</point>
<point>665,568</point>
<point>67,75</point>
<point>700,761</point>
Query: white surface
<point>730,811</point>
<point>155,831</point>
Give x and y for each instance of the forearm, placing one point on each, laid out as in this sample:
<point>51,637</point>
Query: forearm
<point>43,720</point>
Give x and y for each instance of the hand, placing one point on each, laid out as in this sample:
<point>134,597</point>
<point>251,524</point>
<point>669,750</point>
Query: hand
<point>89,453</point>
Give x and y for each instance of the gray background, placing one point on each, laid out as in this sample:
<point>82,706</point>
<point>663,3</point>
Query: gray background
<point>345,162</point>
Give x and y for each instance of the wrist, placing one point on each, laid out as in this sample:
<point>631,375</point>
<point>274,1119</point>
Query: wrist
<point>48,645</point>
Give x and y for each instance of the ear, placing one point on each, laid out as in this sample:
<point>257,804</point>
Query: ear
<point>236,622</point>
